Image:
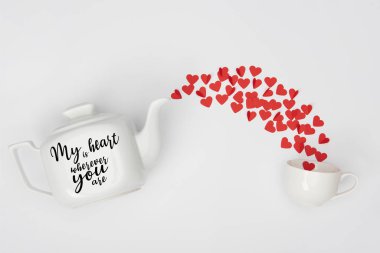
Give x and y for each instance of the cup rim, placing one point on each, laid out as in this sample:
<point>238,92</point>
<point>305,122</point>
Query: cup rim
<point>317,163</point>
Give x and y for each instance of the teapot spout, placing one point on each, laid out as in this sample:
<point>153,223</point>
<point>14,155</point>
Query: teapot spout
<point>148,139</point>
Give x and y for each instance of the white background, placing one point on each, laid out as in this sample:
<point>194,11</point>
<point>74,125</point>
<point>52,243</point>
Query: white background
<point>217,186</point>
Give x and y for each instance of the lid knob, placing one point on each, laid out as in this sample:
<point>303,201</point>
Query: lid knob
<point>79,111</point>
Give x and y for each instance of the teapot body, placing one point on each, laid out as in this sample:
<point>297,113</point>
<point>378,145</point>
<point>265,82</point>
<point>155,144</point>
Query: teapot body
<point>93,161</point>
<point>94,155</point>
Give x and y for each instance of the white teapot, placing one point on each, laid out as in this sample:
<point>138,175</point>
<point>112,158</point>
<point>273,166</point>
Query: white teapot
<point>95,155</point>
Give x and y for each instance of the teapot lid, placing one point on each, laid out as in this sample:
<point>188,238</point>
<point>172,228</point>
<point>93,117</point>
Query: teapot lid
<point>80,115</point>
<point>79,111</point>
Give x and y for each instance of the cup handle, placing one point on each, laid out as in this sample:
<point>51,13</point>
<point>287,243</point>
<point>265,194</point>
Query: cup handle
<point>343,176</point>
<point>14,150</point>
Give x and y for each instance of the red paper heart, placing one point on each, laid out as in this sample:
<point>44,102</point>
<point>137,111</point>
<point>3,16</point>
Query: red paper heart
<point>230,90</point>
<point>310,150</point>
<point>238,97</point>
<point>281,126</point>
<point>256,83</point>
<point>308,166</point>
<point>205,78</point>
<point>270,81</point>
<point>268,93</point>
<point>270,126</point>
<point>252,94</point>
<point>317,122</point>
<point>223,74</point>
<point>243,82</point>
<point>299,139</point>
<point>274,104</point>
<point>292,124</point>
<point>298,114</point>
<point>320,156</point>
<point>188,89</point>
<point>308,130</point>
<point>289,114</point>
<point>176,94</point>
<point>192,78</point>
<point>323,139</point>
<point>221,98</point>
<point>281,90</point>
<point>254,70</point>
<point>215,86</point>
<point>306,108</point>
<point>288,103</point>
<point>236,107</point>
<point>251,115</point>
<point>240,70</point>
<point>233,79</point>
<point>285,143</point>
<point>298,146</point>
<point>206,101</point>
<point>201,92</point>
<point>265,114</point>
<point>293,93</point>
<point>252,102</point>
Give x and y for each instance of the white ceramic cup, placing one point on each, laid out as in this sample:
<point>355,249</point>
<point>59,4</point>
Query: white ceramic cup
<point>313,188</point>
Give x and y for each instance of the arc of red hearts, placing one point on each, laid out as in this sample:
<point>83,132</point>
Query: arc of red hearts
<point>295,116</point>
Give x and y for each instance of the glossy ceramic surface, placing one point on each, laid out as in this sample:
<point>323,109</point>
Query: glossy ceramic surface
<point>95,155</point>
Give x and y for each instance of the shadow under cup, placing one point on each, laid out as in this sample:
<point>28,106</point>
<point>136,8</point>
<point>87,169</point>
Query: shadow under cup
<point>313,188</point>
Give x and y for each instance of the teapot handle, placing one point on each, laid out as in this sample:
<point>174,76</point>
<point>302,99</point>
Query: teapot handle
<point>14,150</point>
